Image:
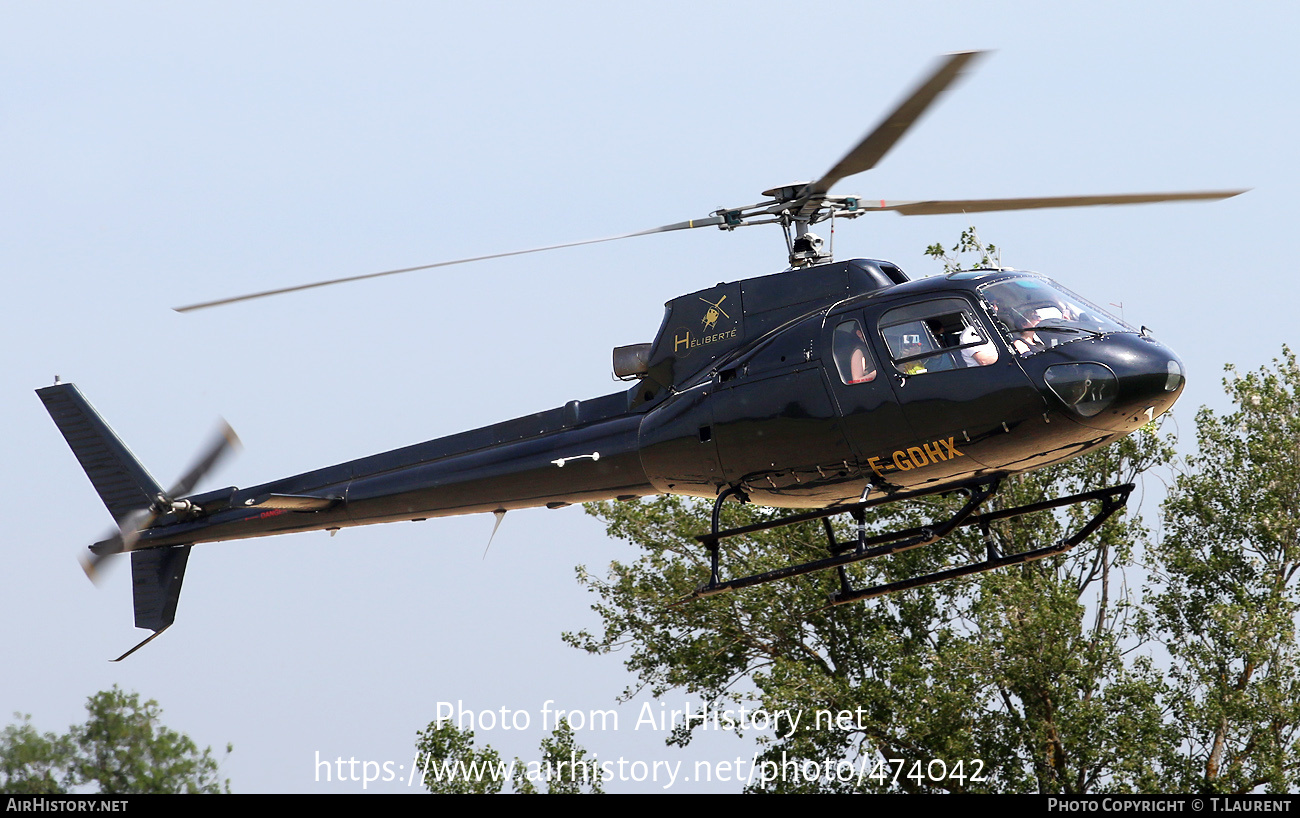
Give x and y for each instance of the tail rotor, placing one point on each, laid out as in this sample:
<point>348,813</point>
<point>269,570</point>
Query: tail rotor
<point>164,502</point>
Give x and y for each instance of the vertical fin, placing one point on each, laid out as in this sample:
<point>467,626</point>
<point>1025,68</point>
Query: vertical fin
<point>156,576</point>
<point>121,481</point>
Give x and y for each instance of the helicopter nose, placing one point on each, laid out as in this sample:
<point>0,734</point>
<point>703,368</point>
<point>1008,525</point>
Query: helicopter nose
<point>1126,381</point>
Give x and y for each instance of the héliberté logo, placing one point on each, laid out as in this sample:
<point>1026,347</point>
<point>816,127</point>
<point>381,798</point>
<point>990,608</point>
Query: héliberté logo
<point>684,341</point>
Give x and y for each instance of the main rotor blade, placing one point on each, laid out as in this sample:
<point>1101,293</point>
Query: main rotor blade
<point>710,221</point>
<point>877,143</point>
<point>940,206</point>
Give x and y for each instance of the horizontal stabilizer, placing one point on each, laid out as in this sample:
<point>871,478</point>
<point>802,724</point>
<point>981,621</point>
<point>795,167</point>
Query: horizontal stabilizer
<point>121,481</point>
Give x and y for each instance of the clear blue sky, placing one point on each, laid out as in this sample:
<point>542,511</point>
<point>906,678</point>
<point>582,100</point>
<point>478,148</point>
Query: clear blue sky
<point>157,154</point>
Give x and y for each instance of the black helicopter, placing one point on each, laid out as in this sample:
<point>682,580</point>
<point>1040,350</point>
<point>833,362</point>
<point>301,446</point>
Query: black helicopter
<point>829,388</point>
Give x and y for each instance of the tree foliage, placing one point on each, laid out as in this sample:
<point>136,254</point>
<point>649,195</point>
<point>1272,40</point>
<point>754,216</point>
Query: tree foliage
<point>1225,595</point>
<point>564,767</point>
<point>122,747</point>
<point>451,765</point>
<point>33,763</point>
<point>1019,675</point>
<point>969,246</point>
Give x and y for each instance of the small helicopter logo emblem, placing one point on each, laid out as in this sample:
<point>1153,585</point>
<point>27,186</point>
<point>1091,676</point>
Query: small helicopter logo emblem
<point>711,317</point>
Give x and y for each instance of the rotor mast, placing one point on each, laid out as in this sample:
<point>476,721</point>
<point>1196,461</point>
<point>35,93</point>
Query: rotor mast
<point>799,206</point>
<point>796,210</point>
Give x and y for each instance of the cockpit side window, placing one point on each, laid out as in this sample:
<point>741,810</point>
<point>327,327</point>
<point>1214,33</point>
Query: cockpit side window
<point>852,356</point>
<point>934,336</point>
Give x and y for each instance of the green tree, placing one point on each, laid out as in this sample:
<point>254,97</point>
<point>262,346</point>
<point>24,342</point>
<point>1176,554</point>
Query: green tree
<point>1018,674</point>
<point>565,767</point>
<point>32,763</point>
<point>121,748</point>
<point>1224,592</point>
<point>452,764</point>
<point>969,246</point>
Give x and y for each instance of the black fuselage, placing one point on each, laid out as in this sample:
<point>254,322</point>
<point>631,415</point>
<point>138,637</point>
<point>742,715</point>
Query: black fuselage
<point>747,388</point>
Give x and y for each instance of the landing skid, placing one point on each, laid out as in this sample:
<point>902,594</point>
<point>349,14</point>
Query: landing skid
<point>864,548</point>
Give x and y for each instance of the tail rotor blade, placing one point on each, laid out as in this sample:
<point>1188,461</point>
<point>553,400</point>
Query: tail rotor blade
<point>222,442</point>
<point>118,542</point>
<point>96,562</point>
<point>129,530</point>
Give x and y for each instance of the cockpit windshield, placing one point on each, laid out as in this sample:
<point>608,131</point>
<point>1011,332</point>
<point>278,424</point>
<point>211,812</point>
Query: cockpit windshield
<point>1036,314</point>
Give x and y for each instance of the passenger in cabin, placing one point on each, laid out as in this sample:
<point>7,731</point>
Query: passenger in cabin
<point>982,355</point>
<point>852,357</point>
<point>912,346</point>
<point>1047,315</point>
<point>860,368</point>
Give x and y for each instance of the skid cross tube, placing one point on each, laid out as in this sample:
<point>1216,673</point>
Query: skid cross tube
<point>864,547</point>
<point>1113,499</point>
<point>889,543</point>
